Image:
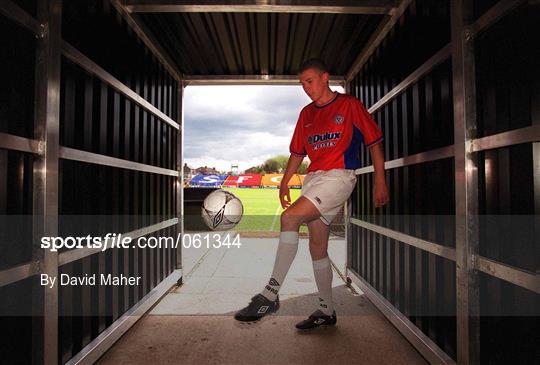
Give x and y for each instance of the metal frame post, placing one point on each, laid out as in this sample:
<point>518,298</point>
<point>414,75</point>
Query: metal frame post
<point>180,168</point>
<point>466,183</point>
<point>45,175</point>
<point>346,209</point>
<point>535,116</point>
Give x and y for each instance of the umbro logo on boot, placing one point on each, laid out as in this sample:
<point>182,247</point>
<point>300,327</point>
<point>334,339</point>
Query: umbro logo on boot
<point>317,319</point>
<point>263,309</point>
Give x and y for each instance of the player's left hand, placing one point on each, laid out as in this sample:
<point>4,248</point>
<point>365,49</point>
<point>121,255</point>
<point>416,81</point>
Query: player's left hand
<point>284,195</point>
<point>380,194</point>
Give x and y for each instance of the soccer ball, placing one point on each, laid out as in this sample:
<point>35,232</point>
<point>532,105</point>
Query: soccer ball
<point>222,210</point>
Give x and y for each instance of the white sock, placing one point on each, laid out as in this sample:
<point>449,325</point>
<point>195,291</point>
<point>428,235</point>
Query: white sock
<point>323,277</point>
<point>286,251</point>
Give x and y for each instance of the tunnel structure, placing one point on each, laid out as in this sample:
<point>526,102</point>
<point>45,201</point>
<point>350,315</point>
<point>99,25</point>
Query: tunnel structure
<point>91,121</point>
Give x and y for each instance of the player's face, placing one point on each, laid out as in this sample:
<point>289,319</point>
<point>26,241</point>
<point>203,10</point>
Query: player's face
<point>314,83</point>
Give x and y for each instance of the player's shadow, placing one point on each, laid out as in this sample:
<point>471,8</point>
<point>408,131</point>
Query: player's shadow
<point>346,303</point>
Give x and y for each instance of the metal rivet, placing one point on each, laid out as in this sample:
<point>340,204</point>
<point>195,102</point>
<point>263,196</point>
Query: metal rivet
<point>41,147</point>
<point>42,31</point>
<point>468,34</point>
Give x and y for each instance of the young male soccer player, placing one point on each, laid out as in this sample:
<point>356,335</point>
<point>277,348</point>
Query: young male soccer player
<point>330,131</point>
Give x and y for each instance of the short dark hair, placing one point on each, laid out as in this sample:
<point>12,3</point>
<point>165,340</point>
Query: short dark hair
<point>315,63</point>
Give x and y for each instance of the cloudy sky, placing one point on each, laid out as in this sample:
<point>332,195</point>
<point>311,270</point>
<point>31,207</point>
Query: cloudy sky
<point>240,124</point>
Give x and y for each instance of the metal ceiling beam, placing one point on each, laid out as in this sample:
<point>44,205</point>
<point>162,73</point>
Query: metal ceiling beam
<point>148,39</point>
<point>20,16</point>
<point>377,37</point>
<point>251,80</point>
<point>329,7</point>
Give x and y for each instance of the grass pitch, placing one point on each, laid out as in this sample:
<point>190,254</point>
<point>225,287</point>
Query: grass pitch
<point>261,208</point>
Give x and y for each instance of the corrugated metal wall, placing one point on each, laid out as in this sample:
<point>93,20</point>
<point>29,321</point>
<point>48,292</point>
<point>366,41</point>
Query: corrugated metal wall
<point>508,98</point>
<point>16,176</point>
<point>418,126</point>
<point>118,173</point>
<point>417,121</point>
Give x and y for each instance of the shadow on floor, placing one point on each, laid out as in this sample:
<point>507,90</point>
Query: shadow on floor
<point>194,324</point>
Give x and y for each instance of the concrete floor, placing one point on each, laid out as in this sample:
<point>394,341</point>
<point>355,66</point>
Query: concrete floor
<point>193,323</point>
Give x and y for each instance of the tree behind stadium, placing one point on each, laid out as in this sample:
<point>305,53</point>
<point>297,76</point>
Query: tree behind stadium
<point>275,165</point>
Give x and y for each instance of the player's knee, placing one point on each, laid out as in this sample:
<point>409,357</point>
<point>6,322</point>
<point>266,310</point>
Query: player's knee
<point>288,219</point>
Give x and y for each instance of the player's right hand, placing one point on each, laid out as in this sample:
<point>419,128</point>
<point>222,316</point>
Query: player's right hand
<point>284,196</point>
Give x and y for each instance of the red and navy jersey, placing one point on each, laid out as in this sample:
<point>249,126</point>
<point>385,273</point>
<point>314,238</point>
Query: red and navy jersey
<point>331,134</point>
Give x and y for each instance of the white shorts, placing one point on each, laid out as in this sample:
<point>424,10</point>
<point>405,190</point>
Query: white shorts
<point>329,190</point>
